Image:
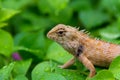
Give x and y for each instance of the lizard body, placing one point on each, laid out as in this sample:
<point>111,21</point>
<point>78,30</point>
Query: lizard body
<point>86,49</point>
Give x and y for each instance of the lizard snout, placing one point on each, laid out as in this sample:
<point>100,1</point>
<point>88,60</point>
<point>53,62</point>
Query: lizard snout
<point>48,34</point>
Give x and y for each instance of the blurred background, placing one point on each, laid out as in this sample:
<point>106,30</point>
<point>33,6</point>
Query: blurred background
<point>25,23</point>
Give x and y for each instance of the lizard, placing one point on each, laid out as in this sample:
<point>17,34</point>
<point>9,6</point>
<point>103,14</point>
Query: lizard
<point>90,51</point>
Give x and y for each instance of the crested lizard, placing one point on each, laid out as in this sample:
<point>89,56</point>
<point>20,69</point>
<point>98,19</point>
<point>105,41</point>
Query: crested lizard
<point>88,50</point>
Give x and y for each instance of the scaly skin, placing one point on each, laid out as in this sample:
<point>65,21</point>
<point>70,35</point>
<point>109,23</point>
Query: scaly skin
<point>86,49</point>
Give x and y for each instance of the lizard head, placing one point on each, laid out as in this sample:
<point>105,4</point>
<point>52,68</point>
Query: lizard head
<point>62,33</point>
<point>68,37</point>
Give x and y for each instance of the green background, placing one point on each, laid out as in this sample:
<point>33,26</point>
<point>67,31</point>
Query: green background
<point>25,23</point>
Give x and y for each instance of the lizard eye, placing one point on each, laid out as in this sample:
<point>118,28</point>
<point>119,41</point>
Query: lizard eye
<point>61,33</point>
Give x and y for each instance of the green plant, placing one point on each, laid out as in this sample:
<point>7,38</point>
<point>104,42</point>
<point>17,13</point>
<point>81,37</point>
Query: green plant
<point>27,54</point>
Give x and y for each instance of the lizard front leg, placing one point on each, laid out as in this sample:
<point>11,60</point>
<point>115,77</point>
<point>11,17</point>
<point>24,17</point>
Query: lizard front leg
<point>87,63</point>
<point>68,63</point>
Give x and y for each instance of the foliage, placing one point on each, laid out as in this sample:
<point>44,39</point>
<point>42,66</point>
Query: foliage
<point>27,54</point>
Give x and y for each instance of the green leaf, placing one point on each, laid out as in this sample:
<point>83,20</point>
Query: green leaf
<point>5,14</point>
<point>20,48</point>
<point>43,68</point>
<point>115,67</point>
<point>63,16</point>
<point>6,43</point>
<point>51,69</point>
<point>15,4</point>
<point>112,31</point>
<point>71,74</point>
<point>103,75</point>
<point>51,76</point>
<point>36,22</point>
<point>79,5</point>
<point>51,7</point>
<point>5,72</point>
<point>80,66</point>
<point>21,67</point>
<point>20,77</point>
<point>2,24</point>
<point>57,10</point>
<point>3,61</point>
<point>32,42</point>
<point>57,53</point>
<point>92,18</point>
<point>112,6</point>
